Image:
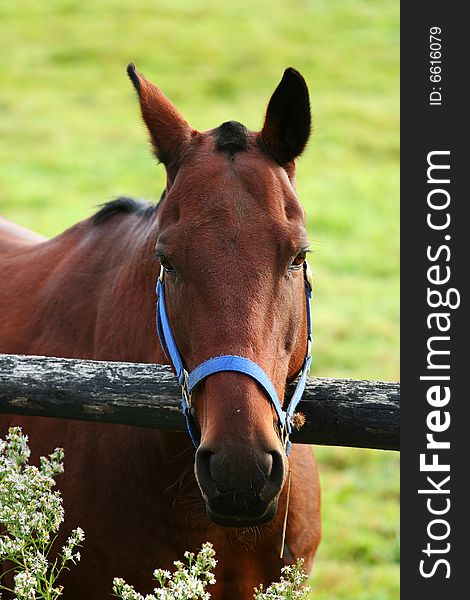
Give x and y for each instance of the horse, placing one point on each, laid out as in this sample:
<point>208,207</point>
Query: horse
<point>228,239</point>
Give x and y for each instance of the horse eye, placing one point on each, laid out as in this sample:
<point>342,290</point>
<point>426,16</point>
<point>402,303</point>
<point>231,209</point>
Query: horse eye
<point>168,267</point>
<point>299,260</point>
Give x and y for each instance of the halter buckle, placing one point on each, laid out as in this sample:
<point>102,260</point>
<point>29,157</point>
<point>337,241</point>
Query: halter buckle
<point>162,273</point>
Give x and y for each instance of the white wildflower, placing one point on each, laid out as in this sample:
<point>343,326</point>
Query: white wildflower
<point>288,587</point>
<point>30,515</point>
<point>188,582</point>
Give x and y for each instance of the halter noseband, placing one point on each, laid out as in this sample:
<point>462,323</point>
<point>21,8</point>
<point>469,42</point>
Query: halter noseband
<point>228,362</point>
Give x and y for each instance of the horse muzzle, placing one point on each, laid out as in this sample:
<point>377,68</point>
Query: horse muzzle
<point>239,492</point>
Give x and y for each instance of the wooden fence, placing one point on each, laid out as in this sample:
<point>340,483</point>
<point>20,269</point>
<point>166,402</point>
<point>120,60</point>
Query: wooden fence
<point>338,412</point>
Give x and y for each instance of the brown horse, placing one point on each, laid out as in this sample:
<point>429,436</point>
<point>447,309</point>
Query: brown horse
<point>230,234</point>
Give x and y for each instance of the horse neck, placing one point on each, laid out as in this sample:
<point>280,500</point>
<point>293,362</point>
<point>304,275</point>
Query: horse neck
<point>124,327</point>
<point>95,293</point>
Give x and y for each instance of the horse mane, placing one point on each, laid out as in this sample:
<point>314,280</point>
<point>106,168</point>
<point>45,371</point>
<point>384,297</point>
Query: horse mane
<point>126,205</point>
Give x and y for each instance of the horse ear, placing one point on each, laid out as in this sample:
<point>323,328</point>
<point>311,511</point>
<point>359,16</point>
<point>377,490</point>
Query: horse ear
<point>169,132</point>
<point>287,123</point>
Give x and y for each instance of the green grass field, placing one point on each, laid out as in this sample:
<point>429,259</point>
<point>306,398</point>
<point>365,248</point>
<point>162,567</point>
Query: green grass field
<point>71,138</point>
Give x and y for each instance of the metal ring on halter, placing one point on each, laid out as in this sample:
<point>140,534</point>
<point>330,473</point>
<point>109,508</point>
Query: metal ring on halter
<point>285,435</point>
<point>184,389</point>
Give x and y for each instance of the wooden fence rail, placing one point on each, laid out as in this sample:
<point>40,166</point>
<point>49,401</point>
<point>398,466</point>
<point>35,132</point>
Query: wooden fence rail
<point>338,412</point>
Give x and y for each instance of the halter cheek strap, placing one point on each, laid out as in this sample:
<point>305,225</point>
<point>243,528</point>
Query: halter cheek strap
<point>229,362</point>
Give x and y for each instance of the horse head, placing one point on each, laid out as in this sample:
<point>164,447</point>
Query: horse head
<point>232,243</point>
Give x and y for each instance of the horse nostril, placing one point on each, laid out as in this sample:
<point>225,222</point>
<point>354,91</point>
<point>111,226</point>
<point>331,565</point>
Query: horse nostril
<point>221,480</point>
<point>203,470</point>
<point>276,476</point>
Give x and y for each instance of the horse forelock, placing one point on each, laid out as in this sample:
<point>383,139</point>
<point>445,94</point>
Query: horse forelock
<point>231,137</point>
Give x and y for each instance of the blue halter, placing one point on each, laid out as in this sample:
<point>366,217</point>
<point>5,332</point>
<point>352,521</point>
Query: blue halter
<point>227,362</point>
